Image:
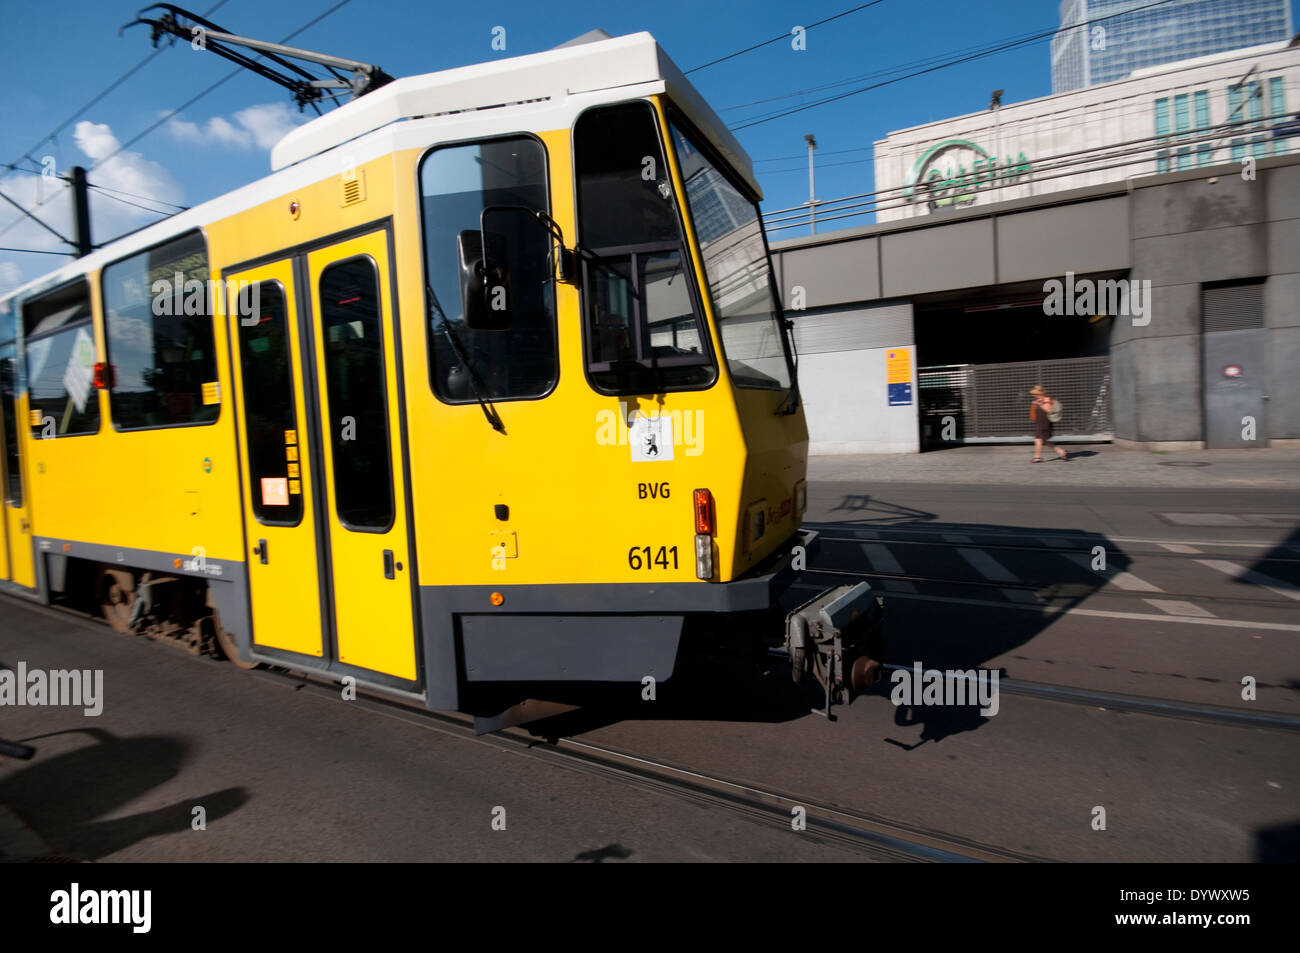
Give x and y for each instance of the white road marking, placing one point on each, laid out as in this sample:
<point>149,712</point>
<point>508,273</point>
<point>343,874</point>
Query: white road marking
<point>880,558</point>
<point>987,566</point>
<point>1180,548</point>
<point>1124,580</point>
<point>1107,614</point>
<point>1174,607</point>
<point>1254,578</point>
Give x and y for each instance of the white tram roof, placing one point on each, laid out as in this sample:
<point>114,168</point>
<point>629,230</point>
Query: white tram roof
<point>622,65</point>
<point>524,93</point>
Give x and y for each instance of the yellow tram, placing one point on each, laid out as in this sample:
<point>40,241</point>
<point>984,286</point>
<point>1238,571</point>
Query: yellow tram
<point>487,386</point>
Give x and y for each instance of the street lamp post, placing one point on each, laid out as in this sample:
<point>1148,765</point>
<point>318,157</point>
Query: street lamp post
<point>812,201</point>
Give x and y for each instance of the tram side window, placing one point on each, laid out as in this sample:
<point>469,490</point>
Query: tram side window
<point>160,341</point>
<point>642,327</point>
<point>456,184</point>
<point>269,410</point>
<point>354,379</point>
<point>13,490</point>
<point>61,363</point>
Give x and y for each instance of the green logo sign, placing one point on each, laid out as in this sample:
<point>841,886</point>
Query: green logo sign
<point>952,172</point>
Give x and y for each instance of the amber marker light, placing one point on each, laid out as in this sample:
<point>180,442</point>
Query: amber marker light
<point>496,598</point>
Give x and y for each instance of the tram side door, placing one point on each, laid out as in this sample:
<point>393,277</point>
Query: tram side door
<point>364,499</point>
<point>275,447</point>
<point>17,556</point>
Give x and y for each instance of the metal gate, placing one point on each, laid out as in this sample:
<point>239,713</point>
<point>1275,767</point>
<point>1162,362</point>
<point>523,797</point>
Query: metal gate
<point>972,403</point>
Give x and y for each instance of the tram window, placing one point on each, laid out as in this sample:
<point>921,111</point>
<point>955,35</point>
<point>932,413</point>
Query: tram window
<point>730,235</point>
<point>643,328</point>
<point>456,184</point>
<point>62,396</point>
<point>267,374</point>
<point>352,329</point>
<point>13,489</point>
<point>158,312</point>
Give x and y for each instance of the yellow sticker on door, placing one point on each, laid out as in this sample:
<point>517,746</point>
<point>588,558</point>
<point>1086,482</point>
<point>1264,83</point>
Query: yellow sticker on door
<point>275,491</point>
<point>211,392</point>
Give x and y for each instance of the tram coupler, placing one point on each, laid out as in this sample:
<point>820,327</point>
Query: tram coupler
<point>839,637</point>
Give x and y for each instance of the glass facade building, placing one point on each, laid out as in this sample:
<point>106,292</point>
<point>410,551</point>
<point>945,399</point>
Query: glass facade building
<point>1100,41</point>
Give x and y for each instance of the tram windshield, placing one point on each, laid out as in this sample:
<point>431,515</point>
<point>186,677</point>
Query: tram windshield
<point>730,235</point>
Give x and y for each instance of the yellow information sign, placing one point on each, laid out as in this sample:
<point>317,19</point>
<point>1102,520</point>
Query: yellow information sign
<point>898,366</point>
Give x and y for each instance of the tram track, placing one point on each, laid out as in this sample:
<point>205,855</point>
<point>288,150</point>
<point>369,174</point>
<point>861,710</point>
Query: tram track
<point>872,836</point>
<point>1114,701</point>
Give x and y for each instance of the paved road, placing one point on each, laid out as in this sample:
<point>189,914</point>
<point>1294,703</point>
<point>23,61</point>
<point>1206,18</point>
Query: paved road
<point>989,577</point>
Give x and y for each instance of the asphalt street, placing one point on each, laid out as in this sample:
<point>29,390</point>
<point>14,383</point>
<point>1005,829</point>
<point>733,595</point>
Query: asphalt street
<point>1194,598</point>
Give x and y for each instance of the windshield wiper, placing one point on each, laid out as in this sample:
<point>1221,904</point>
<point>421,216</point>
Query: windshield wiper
<point>475,384</point>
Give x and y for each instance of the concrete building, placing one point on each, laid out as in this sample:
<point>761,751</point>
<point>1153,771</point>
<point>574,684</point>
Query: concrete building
<point>1133,246</point>
<point>1101,41</point>
<point>1168,118</point>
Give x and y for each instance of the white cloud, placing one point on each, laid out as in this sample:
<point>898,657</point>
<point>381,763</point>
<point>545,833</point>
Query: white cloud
<point>11,276</point>
<point>269,123</point>
<point>126,171</point>
<point>261,126</point>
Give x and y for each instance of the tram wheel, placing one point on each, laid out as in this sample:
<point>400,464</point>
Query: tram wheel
<point>116,588</point>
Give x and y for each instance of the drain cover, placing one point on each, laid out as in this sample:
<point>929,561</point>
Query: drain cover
<point>1183,463</point>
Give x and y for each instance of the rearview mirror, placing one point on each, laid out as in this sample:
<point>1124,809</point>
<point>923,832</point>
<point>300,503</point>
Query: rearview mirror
<point>484,281</point>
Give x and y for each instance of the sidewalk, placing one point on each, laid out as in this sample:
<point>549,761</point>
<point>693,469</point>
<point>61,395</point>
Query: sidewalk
<point>1090,465</point>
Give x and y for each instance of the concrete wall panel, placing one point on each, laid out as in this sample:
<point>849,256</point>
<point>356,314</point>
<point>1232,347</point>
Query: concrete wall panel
<point>1220,254</point>
<point>939,258</point>
<point>831,274</point>
<point>1046,243</point>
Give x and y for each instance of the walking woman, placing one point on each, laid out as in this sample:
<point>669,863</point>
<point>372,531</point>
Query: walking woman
<point>1039,407</point>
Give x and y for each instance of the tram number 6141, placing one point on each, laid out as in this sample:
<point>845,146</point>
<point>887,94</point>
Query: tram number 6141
<point>652,557</point>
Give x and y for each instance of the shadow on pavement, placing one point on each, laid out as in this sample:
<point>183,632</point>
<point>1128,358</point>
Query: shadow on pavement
<point>63,797</point>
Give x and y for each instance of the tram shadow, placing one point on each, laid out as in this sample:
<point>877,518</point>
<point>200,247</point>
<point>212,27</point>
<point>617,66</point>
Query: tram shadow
<point>73,817</point>
<point>959,597</point>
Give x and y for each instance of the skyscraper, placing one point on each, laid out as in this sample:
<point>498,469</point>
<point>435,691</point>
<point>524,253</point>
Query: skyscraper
<point>1088,49</point>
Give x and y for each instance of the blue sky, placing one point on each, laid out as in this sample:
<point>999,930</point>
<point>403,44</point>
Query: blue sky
<point>55,65</point>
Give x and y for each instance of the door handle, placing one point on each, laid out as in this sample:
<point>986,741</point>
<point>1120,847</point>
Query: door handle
<point>260,551</point>
<point>388,564</point>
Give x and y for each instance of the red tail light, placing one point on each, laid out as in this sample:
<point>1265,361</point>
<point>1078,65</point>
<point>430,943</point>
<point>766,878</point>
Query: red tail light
<point>103,376</point>
<point>704,518</point>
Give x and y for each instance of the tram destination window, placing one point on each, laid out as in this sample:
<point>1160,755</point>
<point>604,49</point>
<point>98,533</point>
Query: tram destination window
<point>730,236</point>
<point>456,184</point>
<point>158,318</point>
<point>62,396</point>
<point>270,416</point>
<point>642,324</point>
<point>354,378</point>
